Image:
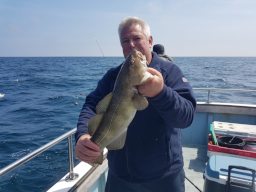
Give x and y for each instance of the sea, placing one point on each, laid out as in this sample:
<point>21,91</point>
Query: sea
<point>41,98</point>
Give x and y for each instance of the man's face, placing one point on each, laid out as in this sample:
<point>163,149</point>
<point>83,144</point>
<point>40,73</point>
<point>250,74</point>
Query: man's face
<point>132,37</point>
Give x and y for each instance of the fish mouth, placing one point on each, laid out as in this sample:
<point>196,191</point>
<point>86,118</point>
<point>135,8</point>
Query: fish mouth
<point>144,62</point>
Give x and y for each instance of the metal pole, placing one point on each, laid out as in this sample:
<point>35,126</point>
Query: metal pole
<point>71,176</point>
<point>208,99</point>
<point>35,153</point>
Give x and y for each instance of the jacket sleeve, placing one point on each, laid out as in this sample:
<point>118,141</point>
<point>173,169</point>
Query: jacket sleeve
<point>105,86</point>
<point>175,103</point>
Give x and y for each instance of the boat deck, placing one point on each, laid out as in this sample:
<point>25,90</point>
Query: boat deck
<point>195,158</point>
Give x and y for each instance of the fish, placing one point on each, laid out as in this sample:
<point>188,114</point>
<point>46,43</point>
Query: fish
<point>114,113</point>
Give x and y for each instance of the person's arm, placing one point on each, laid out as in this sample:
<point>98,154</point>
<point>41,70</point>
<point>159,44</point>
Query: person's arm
<point>171,97</point>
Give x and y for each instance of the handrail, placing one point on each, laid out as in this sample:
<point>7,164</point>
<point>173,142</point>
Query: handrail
<point>225,89</point>
<point>209,90</point>
<point>40,150</point>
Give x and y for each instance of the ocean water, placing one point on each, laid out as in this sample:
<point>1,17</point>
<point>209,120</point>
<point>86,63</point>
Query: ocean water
<point>40,99</point>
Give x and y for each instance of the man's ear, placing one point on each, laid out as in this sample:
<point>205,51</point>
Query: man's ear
<point>150,40</point>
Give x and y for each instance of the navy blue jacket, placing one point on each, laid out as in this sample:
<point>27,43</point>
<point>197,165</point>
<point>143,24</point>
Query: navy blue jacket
<point>153,144</point>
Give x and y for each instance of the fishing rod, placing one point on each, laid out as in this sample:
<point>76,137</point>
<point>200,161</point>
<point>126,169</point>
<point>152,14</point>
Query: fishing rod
<point>102,53</point>
<point>193,184</point>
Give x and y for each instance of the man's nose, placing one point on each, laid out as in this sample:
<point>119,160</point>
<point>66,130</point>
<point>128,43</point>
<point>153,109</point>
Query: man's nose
<point>132,44</point>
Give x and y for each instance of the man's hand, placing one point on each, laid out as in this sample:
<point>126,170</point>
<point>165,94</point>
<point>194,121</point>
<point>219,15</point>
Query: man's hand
<point>86,150</point>
<point>153,86</point>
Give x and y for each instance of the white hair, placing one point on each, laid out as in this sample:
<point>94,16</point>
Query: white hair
<point>134,20</point>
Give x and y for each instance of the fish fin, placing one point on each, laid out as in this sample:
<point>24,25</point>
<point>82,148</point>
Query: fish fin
<point>140,102</point>
<point>94,122</point>
<point>103,104</point>
<point>118,143</point>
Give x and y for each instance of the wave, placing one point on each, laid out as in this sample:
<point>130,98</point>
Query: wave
<point>2,95</point>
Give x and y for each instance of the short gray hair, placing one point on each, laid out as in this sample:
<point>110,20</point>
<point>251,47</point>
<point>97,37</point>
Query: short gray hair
<point>134,20</point>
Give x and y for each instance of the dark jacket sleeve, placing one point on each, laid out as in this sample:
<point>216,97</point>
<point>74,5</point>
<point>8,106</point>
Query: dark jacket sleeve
<point>176,100</point>
<point>105,86</point>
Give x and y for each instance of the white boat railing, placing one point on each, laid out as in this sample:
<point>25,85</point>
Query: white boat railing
<point>68,135</point>
<point>223,90</point>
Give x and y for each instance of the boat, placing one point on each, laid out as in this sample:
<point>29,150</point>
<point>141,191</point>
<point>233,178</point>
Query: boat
<point>195,140</point>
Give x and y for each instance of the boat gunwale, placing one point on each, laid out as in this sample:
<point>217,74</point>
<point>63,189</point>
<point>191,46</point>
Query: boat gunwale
<point>226,108</point>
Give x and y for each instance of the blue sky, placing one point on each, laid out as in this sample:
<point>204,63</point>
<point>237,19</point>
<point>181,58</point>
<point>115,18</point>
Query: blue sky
<point>82,27</point>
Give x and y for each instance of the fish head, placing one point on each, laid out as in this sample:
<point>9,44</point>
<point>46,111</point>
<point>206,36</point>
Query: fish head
<point>137,67</point>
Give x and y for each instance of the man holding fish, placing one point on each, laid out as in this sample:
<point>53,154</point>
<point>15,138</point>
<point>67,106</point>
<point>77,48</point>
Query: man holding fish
<point>137,112</point>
